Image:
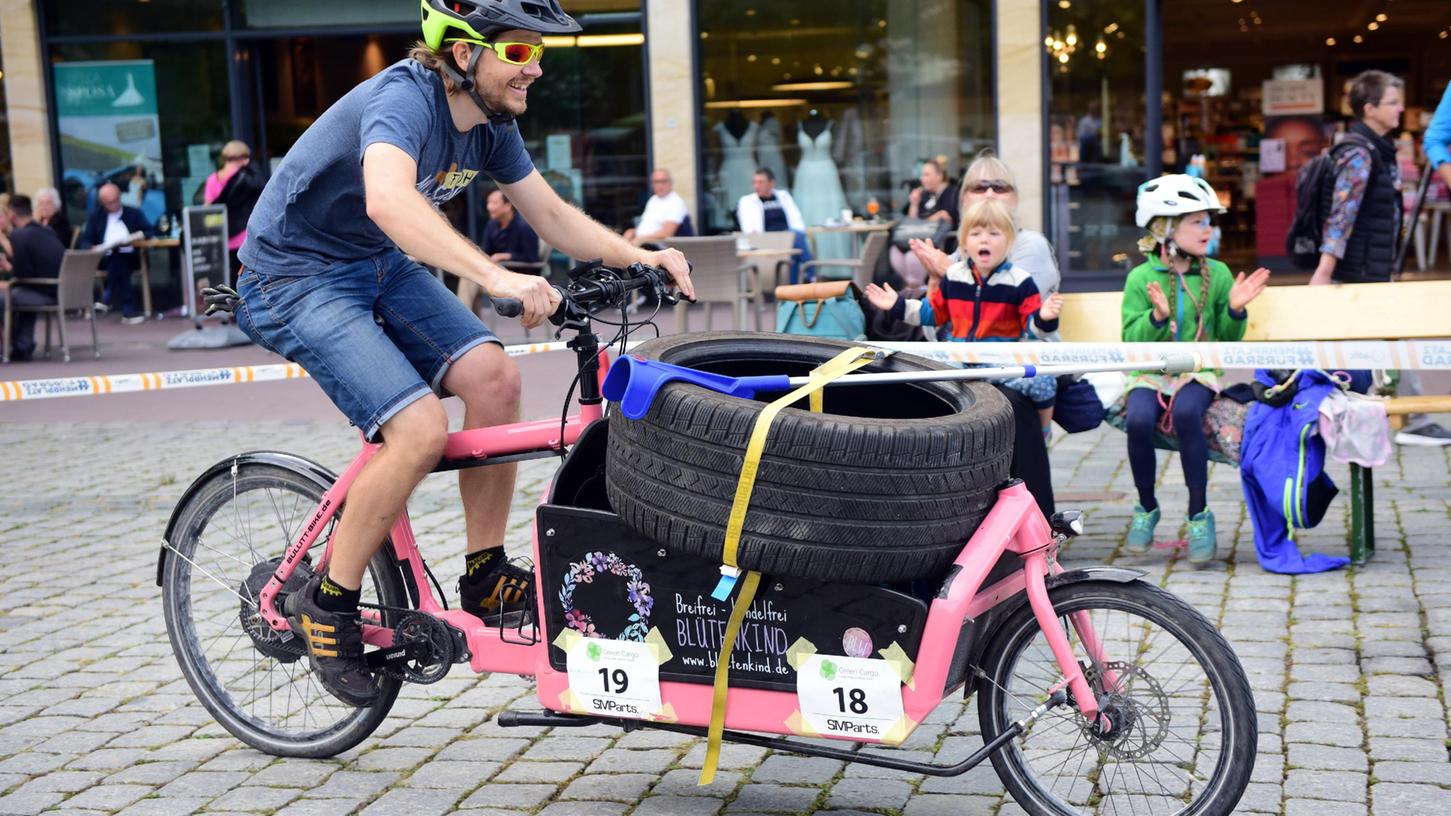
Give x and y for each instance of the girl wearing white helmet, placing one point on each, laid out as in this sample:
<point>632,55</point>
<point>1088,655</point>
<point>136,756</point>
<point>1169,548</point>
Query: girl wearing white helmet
<point>1178,294</point>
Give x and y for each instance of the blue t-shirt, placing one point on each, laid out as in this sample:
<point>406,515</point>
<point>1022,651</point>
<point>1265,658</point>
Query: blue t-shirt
<point>518,239</point>
<point>313,214</point>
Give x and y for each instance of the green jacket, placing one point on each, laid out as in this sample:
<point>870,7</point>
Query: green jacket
<point>1219,323</point>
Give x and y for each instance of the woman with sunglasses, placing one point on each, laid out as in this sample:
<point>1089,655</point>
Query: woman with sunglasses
<point>988,177</point>
<point>335,280</point>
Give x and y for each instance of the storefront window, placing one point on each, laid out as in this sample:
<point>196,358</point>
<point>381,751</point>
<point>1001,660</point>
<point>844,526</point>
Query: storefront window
<point>842,100</point>
<point>1095,64</point>
<point>587,127</point>
<point>101,17</point>
<point>146,117</point>
<point>7,170</point>
<point>300,13</point>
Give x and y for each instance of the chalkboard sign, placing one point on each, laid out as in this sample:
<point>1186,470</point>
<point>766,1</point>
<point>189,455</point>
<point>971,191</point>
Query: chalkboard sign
<point>204,245</point>
<point>604,580</point>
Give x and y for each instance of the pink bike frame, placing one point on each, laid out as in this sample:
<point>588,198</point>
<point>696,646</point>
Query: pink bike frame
<point>1013,525</point>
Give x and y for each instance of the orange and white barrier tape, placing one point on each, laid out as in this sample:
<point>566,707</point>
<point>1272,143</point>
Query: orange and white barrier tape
<point>1424,355</point>
<point>14,390</point>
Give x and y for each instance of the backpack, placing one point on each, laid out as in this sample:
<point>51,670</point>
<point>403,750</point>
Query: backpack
<point>1302,242</point>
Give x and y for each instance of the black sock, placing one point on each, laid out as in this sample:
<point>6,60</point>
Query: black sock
<point>335,598</point>
<point>480,565</point>
<point>1148,503</point>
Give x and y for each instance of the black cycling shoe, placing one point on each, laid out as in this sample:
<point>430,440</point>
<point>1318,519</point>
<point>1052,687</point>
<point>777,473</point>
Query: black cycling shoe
<point>334,644</point>
<point>502,592</point>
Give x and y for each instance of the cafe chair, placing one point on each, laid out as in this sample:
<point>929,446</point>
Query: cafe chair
<point>858,270</point>
<point>75,291</point>
<point>719,276</point>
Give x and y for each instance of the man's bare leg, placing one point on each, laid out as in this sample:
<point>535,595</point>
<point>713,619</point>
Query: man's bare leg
<point>488,383</point>
<point>413,443</point>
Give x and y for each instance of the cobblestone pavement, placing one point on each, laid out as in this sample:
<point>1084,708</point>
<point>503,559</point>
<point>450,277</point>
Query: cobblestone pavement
<point>1349,669</point>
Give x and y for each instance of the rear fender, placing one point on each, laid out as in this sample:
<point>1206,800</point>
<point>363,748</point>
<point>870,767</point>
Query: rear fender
<point>319,475</point>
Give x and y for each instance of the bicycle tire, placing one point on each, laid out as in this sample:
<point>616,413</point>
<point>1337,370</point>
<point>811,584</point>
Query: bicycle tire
<point>1149,708</point>
<point>327,726</point>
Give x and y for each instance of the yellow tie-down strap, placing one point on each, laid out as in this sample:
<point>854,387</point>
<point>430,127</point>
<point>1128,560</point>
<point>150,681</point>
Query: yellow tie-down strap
<point>844,363</point>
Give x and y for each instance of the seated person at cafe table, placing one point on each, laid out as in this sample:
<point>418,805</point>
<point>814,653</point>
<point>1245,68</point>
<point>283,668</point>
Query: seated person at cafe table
<point>768,209</point>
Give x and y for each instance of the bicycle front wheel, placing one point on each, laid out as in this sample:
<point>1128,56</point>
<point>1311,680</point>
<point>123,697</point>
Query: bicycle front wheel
<point>1182,734</point>
<point>227,541</point>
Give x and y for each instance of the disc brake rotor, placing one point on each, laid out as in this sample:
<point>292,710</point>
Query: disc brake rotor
<point>1137,710</point>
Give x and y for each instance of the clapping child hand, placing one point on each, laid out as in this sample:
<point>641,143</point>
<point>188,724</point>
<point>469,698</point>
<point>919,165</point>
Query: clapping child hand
<point>883,297</point>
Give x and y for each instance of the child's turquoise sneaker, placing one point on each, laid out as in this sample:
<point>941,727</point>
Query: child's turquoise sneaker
<point>1203,545</point>
<point>1141,530</point>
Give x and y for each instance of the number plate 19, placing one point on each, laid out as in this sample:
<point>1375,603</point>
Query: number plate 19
<point>614,678</point>
<point>849,696</point>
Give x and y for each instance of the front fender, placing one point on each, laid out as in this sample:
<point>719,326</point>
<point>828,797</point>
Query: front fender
<point>1117,575</point>
<point>320,475</point>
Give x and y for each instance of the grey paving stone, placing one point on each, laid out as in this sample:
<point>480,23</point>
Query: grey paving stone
<point>29,801</point>
<point>869,794</point>
<point>412,801</point>
<point>795,770</point>
<point>1320,807</point>
<point>575,749</point>
<point>953,805</point>
<point>685,782</point>
<point>204,783</point>
<point>677,806</point>
<point>1407,750</point>
<point>1337,786</point>
<point>108,797</point>
<point>156,806</point>
<point>584,809</point>
<point>620,760</point>
<point>539,771</point>
<point>1311,711</point>
<point>1262,797</point>
<point>1433,773</point>
<point>254,799</point>
<point>1342,735</point>
<point>1395,798</point>
<point>1327,758</point>
<point>350,784</point>
<point>496,749</point>
<point>454,775</point>
<point>500,795</point>
<point>765,798</point>
<point>609,787</point>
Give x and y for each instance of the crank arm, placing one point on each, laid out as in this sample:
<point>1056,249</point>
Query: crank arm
<point>380,658</point>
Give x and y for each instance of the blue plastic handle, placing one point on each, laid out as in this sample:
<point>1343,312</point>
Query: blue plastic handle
<point>633,383</point>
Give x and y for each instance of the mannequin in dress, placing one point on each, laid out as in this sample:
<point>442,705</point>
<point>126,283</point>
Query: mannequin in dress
<point>818,185</point>
<point>768,148</point>
<point>848,147</point>
<point>738,160</point>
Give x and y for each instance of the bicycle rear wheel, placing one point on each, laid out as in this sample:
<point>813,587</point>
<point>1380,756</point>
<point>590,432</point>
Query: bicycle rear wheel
<point>227,540</point>
<point>1184,731</point>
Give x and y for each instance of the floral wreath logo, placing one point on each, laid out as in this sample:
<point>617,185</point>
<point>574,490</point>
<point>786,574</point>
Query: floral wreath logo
<point>637,592</point>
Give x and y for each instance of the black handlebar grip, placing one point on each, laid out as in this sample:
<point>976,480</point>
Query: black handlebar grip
<point>508,307</point>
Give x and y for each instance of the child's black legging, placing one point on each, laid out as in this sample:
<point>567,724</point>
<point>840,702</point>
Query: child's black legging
<point>1141,413</point>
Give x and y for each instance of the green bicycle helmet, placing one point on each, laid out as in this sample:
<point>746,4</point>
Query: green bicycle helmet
<point>480,19</point>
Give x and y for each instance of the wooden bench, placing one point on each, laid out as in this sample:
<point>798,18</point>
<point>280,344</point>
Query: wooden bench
<point>1406,310</point>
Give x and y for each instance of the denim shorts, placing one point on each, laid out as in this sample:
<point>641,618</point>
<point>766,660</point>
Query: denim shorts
<point>376,334</point>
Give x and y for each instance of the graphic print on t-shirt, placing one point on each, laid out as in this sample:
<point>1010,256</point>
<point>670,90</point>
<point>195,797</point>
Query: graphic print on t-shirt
<point>446,184</point>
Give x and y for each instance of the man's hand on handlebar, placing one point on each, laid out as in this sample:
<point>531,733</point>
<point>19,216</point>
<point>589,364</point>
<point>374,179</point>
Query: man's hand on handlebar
<point>536,297</point>
<point>673,261</point>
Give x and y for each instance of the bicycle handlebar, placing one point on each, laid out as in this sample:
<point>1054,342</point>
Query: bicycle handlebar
<point>593,284</point>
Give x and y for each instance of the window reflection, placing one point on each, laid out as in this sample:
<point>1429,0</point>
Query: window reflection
<point>103,17</point>
<point>859,93</point>
<point>1095,61</point>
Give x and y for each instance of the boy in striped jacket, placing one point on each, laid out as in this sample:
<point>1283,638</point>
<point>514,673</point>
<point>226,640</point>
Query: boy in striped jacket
<point>1001,304</point>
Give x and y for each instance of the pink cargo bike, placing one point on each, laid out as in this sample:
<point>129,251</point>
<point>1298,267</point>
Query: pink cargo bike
<point>1097,692</point>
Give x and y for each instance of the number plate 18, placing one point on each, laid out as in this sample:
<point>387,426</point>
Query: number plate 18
<point>849,696</point>
<point>614,678</point>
